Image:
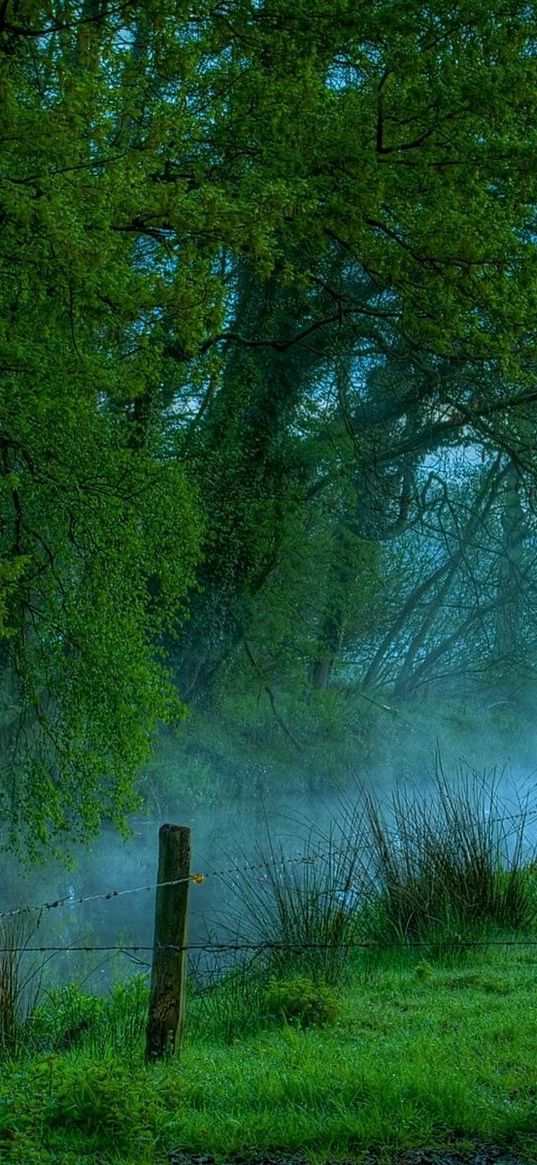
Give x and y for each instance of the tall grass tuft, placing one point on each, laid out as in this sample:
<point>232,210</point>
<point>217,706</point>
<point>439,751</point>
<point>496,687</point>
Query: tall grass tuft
<point>107,1025</point>
<point>20,981</point>
<point>445,868</point>
<point>297,911</point>
<point>438,870</point>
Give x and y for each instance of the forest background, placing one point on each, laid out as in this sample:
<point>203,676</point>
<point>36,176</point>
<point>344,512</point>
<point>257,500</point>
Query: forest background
<point>267,377</point>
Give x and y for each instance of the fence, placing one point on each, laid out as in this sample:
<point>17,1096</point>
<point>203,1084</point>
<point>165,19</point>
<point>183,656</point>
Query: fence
<point>170,945</point>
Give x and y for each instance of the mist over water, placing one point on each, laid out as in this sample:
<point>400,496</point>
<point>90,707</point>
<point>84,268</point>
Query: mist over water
<point>232,827</point>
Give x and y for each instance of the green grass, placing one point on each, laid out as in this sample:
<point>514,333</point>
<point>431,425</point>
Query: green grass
<point>332,1051</point>
<point>418,1056</point>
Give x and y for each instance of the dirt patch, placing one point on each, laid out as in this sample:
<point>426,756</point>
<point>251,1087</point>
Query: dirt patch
<point>481,1155</point>
<point>484,1155</point>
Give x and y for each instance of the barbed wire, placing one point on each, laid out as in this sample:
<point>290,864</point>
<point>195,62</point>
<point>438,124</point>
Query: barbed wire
<point>199,878</point>
<point>196,879</point>
<point>230,948</point>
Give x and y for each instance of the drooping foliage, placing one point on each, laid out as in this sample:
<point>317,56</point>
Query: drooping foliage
<point>260,260</point>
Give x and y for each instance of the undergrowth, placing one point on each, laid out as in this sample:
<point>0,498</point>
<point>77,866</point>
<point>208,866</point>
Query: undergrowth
<point>362,1079</point>
<point>416,878</point>
<point>431,872</point>
<point>377,956</point>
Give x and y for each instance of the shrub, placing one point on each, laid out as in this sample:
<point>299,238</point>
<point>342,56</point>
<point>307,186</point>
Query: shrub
<point>123,1018</point>
<point>103,1101</point>
<point>300,1001</point>
<point>227,1007</point>
<point>63,1019</point>
<point>115,1023</point>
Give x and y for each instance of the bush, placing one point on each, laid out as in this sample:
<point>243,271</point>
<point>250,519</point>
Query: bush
<point>104,1102</point>
<point>70,1018</point>
<point>123,1018</point>
<point>300,1001</point>
<point>63,1019</point>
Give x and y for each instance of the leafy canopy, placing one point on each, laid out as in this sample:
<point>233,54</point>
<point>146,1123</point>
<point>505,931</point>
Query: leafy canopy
<point>150,151</point>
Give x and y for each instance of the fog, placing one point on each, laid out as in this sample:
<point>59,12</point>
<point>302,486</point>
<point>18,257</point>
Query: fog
<point>233,829</point>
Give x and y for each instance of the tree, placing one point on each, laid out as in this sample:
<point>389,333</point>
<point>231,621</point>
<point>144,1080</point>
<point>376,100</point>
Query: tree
<point>198,210</point>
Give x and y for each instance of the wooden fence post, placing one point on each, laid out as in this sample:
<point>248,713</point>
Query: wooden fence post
<point>166,999</point>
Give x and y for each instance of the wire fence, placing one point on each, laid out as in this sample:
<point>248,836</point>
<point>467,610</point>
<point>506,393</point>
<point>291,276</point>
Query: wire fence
<point>230,948</point>
<point>242,957</point>
<point>237,946</point>
<point>195,879</point>
<point>312,856</point>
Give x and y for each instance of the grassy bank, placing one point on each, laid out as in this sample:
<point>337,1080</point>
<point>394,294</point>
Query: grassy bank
<point>308,1041</point>
<point>416,1056</point>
